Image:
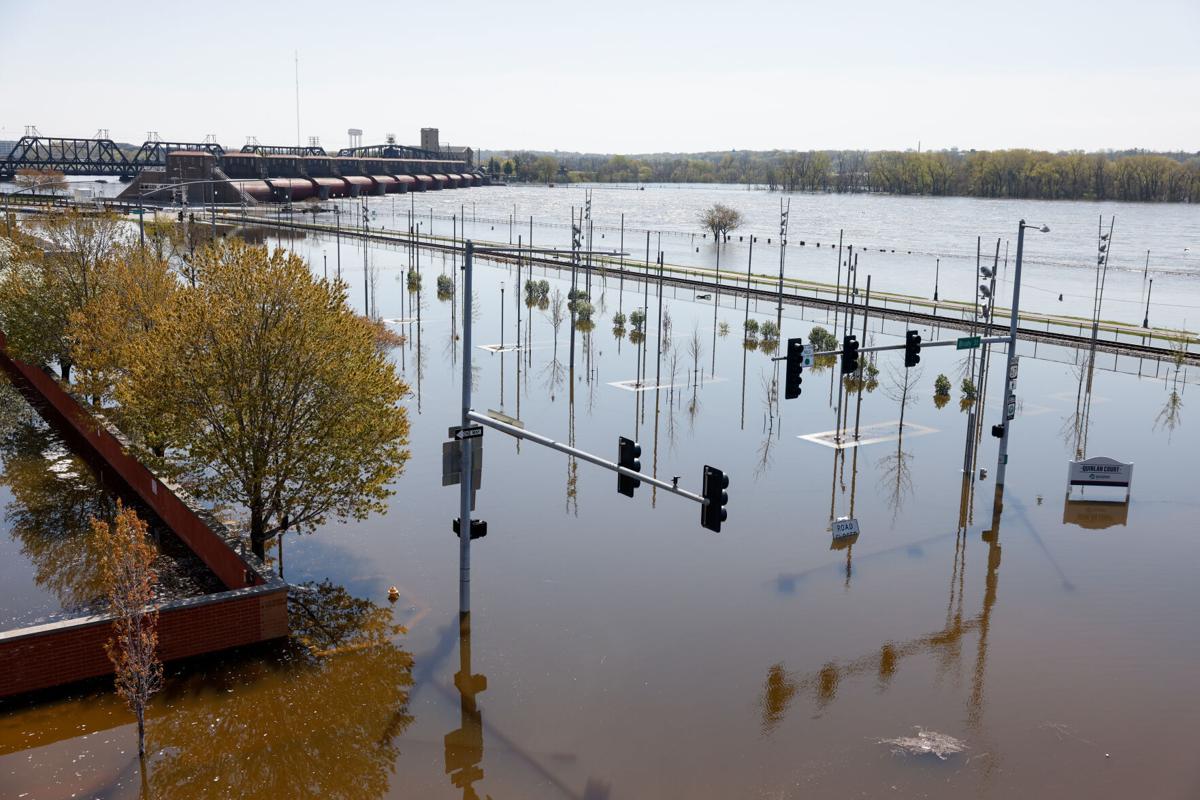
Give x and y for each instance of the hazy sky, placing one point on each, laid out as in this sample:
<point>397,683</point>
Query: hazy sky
<point>613,76</point>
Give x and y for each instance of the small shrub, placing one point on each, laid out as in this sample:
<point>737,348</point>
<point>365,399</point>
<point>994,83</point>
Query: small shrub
<point>638,320</point>
<point>969,392</point>
<point>618,320</point>
<point>751,326</point>
<point>770,331</point>
<point>941,387</point>
<point>414,281</point>
<point>445,287</point>
<point>723,329</point>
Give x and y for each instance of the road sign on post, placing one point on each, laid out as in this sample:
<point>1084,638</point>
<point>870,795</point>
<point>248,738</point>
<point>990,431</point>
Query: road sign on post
<point>967,343</point>
<point>844,526</point>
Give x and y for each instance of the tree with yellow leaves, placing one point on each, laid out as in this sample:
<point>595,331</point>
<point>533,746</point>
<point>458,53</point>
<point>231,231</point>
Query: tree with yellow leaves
<point>135,296</point>
<point>129,579</point>
<point>270,392</point>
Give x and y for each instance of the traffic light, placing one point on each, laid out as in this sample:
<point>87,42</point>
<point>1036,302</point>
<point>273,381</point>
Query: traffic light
<point>849,354</point>
<point>912,349</point>
<point>713,512</point>
<point>795,365</point>
<point>629,454</point>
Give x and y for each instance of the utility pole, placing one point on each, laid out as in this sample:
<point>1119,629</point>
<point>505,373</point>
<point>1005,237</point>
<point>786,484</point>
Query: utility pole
<point>1009,380</point>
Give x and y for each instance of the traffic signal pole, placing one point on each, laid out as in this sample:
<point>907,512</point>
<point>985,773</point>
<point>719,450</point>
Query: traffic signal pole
<point>464,497</point>
<point>582,455</point>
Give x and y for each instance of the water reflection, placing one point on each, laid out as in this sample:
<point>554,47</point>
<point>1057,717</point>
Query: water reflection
<point>464,746</point>
<point>54,498</point>
<point>55,494</point>
<point>822,686</point>
<point>322,721</point>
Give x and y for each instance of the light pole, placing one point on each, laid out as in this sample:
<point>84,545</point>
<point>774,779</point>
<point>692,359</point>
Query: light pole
<point>937,269</point>
<point>501,316</point>
<point>1009,408</point>
<point>1146,319</point>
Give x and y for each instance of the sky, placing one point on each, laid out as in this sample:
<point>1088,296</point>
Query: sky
<point>613,77</point>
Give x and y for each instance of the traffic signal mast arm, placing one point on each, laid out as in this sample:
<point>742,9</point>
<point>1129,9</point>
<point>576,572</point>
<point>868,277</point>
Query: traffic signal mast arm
<point>537,438</point>
<point>881,348</point>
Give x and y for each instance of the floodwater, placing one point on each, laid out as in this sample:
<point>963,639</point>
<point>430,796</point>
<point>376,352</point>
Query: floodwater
<point>616,649</point>
<point>909,244</point>
<point>48,497</point>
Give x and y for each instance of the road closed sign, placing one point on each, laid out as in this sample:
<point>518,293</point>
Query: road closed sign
<point>845,526</point>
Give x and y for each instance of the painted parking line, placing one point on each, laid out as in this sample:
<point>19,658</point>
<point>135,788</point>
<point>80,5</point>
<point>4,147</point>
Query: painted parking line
<point>633,385</point>
<point>875,433</point>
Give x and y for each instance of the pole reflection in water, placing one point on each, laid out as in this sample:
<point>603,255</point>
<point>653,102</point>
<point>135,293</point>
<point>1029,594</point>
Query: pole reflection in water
<point>464,746</point>
<point>780,687</point>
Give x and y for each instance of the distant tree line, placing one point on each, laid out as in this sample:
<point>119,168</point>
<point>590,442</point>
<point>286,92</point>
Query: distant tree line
<point>1128,175</point>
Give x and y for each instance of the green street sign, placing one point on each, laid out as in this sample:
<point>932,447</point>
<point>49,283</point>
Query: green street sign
<point>967,343</point>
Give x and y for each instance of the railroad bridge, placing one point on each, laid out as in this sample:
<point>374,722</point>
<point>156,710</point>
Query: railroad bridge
<point>255,173</point>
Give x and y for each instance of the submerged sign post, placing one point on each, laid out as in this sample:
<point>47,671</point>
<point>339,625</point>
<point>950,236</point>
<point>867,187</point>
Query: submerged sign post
<point>1100,471</point>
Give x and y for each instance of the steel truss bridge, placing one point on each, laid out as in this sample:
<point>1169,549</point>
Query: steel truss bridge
<point>92,156</point>
<point>72,156</point>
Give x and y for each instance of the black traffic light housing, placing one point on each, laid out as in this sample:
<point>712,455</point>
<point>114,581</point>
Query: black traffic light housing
<point>629,454</point>
<point>713,512</point>
<point>795,365</point>
<point>849,354</point>
<point>912,349</point>
<point>478,528</point>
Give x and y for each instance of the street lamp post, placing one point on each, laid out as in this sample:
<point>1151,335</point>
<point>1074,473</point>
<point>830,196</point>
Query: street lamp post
<point>501,316</point>
<point>1009,407</point>
<point>937,268</point>
<point>1146,319</point>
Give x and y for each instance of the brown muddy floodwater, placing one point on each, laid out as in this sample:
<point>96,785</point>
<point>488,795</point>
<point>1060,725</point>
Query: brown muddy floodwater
<point>618,650</point>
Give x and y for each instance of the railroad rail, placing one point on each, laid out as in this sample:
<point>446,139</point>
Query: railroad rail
<point>1187,348</point>
<point>1177,345</point>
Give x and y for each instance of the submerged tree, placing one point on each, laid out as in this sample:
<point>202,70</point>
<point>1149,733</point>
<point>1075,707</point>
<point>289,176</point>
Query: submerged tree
<point>719,220</point>
<point>129,579</point>
<point>270,392</point>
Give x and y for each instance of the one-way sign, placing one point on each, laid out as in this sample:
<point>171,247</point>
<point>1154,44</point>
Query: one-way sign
<point>471,432</point>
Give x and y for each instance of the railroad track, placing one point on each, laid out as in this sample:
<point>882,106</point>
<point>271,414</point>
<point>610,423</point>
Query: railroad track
<point>701,285</point>
<point>698,284</point>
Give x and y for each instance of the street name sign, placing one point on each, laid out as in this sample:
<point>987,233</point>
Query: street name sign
<point>967,343</point>
<point>1099,471</point>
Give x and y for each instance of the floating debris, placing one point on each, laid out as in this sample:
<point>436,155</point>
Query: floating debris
<point>926,743</point>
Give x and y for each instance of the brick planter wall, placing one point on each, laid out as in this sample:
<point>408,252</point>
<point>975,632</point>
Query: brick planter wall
<point>252,609</point>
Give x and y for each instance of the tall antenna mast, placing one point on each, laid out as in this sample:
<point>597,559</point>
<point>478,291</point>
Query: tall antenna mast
<point>297,54</point>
